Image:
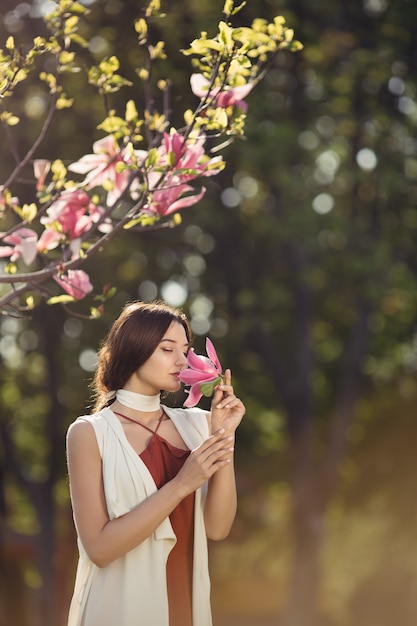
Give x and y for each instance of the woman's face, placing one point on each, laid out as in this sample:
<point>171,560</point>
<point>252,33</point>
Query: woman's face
<point>161,371</point>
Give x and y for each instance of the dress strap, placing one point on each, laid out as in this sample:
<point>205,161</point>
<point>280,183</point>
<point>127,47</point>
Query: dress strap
<point>140,423</point>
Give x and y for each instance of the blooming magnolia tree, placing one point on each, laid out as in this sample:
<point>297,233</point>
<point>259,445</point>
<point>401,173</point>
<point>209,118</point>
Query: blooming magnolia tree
<point>140,173</point>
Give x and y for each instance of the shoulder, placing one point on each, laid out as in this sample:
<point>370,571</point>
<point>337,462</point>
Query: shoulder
<point>84,427</point>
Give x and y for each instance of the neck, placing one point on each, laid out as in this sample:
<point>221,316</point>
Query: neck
<point>138,401</point>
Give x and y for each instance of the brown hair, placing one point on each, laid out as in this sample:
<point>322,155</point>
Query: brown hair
<point>132,339</point>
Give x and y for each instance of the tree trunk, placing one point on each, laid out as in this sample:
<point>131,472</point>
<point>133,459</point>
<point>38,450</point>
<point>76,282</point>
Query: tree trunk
<point>301,609</point>
<point>307,531</point>
<point>42,496</point>
<point>314,482</point>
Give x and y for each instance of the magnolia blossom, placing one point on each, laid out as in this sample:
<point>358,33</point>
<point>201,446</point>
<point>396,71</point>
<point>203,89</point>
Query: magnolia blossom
<point>228,96</point>
<point>74,212</point>
<point>169,198</point>
<point>76,283</point>
<point>203,374</point>
<point>188,154</point>
<point>23,244</point>
<point>41,169</point>
<point>102,167</point>
<point>188,160</point>
<point>49,240</point>
<point>26,245</point>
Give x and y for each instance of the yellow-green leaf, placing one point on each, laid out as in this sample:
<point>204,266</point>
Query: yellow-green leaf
<point>29,212</point>
<point>131,111</point>
<point>63,298</point>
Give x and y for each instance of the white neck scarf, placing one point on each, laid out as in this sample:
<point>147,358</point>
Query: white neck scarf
<point>138,401</point>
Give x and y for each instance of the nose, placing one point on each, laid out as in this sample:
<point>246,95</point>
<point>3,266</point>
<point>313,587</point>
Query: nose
<point>182,359</point>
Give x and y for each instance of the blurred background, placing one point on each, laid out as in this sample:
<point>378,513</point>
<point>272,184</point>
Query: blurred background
<point>300,264</point>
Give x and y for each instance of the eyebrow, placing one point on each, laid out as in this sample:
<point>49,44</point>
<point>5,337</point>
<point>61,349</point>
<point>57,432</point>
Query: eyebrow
<point>186,345</point>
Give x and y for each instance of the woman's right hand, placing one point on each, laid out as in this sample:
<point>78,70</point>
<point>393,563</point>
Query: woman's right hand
<point>204,461</point>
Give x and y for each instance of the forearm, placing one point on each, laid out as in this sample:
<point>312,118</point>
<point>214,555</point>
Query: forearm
<point>221,503</point>
<point>122,534</point>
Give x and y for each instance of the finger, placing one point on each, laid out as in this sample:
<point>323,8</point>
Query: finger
<point>216,440</point>
<point>225,444</point>
<point>228,402</point>
<point>228,377</point>
<point>216,466</point>
<point>220,455</point>
<point>218,395</point>
<point>216,436</point>
<point>224,390</point>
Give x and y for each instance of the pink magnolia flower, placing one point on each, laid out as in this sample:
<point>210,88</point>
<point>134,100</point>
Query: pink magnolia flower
<point>101,167</point>
<point>49,240</point>
<point>41,169</point>
<point>203,374</point>
<point>74,212</point>
<point>170,198</point>
<point>188,160</point>
<point>188,154</point>
<point>23,244</point>
<point>229,96</point>
<point>75,282</point>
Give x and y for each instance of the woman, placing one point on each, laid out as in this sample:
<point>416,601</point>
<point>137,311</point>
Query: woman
<point>149,484</point>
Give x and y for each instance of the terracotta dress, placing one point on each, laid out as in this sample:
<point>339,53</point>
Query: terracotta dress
<point>164,461</point>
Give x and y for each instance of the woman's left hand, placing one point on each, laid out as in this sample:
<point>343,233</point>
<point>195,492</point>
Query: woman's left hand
<point>226,409</point>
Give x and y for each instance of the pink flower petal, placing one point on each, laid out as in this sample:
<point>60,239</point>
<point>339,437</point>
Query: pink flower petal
<point>86,163</point>
<point>29,249</point>
<point>199,86</point>
<point>194,396</point>
<point>191,377</point>
<point>185,201</point>
<point>6,251</point>
<point>76,283</point>
<point>49,240</point>
<point>201,363</point>
<point>20,234</point>
<point>213,354</point>
<point>242,91</point>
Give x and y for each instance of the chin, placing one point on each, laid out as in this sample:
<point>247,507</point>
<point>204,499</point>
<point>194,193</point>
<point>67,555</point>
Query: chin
<point>176,386</point>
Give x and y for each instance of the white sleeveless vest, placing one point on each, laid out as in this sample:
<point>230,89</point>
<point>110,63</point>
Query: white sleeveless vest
<point>131,591</point>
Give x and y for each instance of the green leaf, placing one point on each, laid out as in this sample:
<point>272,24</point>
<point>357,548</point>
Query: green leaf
<point>60,299</point>
<point>66,57</point>
<point>29,212</point>
<point>113,124</point>
<point>207,388</point>
<point>152,158</point>
<point>131,111</point>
